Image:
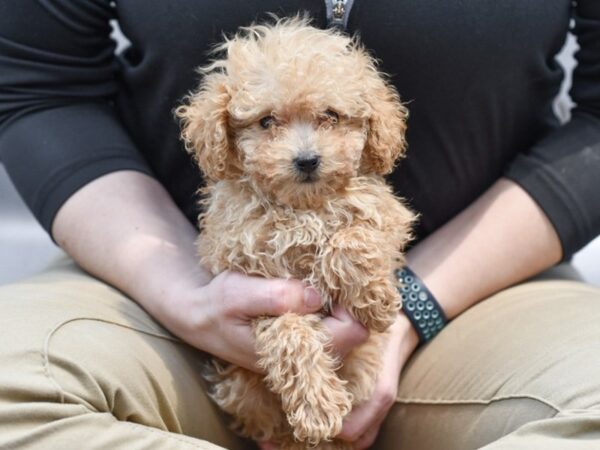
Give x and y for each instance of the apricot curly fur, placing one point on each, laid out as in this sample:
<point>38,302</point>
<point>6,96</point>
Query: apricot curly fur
<point>339,229</point>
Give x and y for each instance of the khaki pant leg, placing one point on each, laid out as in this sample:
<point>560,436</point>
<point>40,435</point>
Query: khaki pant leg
<point>520,370</point>
<point>83,367</point>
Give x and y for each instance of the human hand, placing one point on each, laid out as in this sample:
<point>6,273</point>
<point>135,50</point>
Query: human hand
<point>217,317</point>
<point>362,425</point>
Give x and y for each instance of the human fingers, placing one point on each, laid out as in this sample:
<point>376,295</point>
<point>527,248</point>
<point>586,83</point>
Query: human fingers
<point>233,300</point>
<point>372,412</point>
<point>368,439</point>
<point>267,445</point>
<point>365,417</point>
<point>249,296</point>
<point>346,332</point>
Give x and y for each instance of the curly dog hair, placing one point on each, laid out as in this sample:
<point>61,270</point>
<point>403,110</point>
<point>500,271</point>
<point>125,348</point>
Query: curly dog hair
<point>294,128</point>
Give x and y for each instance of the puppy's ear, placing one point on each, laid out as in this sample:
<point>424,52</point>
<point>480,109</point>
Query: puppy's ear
<point>205,129</point>
<point>387,127</point>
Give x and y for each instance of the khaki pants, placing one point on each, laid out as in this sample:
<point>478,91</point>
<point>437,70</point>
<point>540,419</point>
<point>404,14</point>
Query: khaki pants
<point>83,367</point>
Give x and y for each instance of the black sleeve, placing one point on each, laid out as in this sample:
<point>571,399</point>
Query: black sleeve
<point>58,130</point>
<point>562,172</point>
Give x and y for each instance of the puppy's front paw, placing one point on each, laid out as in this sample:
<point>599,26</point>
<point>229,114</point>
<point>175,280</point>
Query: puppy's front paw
<point>293,351</point>
<point>320,417</point>
<point>380,306</point>
<point>358,272</point>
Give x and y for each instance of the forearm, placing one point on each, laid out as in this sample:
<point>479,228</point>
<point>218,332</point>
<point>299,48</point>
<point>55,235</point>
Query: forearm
<point>499,240</point>
<point>125,229</point>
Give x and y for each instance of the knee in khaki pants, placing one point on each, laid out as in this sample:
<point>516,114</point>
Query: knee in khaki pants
<point>520,370</point>
<point>82,366</point>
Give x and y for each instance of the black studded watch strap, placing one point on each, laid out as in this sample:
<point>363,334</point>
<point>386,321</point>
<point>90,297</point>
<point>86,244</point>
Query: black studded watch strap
<point>420,306</point>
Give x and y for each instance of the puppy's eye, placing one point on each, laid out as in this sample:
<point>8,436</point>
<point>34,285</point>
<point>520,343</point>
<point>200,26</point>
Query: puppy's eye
<point>330,117</point>
<point>267,122</point>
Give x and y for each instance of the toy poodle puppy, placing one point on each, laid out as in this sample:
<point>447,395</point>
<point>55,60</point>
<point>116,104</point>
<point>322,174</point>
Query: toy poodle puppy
<point>293,128</point>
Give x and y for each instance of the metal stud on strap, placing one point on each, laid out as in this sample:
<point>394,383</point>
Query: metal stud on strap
<point>420,306</point>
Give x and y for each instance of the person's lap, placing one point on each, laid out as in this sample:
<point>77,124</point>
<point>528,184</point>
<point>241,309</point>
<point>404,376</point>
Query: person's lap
<point>81,366</point>
<point>524,364</point>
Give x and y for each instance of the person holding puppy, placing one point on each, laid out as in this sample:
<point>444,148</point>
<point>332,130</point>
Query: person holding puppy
<point>504,191</point>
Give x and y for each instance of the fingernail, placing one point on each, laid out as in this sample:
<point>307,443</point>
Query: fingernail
<point>312,299</point>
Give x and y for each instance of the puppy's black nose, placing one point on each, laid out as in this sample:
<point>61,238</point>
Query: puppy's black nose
<point>307,164</point>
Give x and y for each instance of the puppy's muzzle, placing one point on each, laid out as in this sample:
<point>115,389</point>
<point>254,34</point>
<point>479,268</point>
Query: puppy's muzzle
<point>307,165</point>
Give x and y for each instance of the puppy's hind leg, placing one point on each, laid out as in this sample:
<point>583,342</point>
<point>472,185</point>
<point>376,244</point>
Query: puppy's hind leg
<point>256,411</point>
<point>293,353</point>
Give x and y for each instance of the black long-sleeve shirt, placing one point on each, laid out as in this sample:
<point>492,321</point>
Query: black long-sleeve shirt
<point>480,78</point>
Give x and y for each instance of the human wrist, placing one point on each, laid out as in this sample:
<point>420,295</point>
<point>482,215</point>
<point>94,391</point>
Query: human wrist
<point>403,330</point>
<point>420,306</point>
<point>167,281</point>
<point>185,311</point>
